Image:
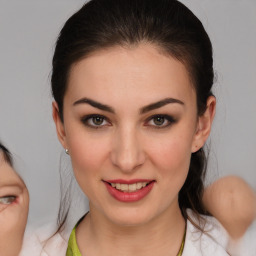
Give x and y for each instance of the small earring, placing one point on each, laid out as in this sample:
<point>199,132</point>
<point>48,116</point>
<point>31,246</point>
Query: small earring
<point>66,151</point>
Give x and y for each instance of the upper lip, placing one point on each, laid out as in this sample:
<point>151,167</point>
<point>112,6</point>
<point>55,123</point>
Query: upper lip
<point>121,181</point>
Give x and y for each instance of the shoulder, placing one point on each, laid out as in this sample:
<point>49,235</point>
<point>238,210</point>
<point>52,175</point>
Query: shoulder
<point>42,242</point>
<point>213,241</point>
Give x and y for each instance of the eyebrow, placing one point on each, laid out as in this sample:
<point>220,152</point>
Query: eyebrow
<point>94,104</point>
<point>143,110</point>
<point>160,104</point>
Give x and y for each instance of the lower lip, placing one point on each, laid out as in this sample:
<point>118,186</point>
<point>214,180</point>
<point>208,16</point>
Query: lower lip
<point>129,197</point>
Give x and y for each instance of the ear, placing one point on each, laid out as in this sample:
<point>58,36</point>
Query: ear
<point>59,124</point>
<point>204,125</point>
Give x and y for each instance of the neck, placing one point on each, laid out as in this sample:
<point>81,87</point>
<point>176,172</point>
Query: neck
<point>97,235</point>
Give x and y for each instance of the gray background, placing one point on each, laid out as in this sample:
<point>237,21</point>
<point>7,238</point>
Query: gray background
<point>28,30</point>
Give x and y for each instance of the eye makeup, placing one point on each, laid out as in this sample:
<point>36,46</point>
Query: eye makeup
<point>160,121</point>
<point>95,121</point>
<point>157,121</point>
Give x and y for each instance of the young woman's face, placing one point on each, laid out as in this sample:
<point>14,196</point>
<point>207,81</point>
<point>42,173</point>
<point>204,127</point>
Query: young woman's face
<point>130,125</point>
<point>14,202</point>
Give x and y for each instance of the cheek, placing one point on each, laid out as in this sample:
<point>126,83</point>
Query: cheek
<point>88,155</point>
<point>173,165</point>
<point>172,152</point>
<point>171,156</point>
<point>84,156</point>
<point>85,148</point>
<point>12,221</point>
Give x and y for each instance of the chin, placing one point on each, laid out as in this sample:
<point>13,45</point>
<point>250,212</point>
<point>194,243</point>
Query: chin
<point>130,217</point>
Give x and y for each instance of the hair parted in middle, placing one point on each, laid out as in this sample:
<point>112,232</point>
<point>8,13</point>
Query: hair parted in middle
<point>169,26</point>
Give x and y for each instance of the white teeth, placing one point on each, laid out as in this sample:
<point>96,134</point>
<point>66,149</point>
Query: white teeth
<point>129,187</point>
<point>132,187</point>
<point>139,185</point>
<point>144,184</point>
<point>124,187</point>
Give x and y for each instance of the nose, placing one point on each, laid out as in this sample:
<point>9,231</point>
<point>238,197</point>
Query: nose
<point>127,153</point>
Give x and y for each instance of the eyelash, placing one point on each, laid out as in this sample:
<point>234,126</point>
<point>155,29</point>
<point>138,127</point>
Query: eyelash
<point>85,120</point>
<point>167,118</point>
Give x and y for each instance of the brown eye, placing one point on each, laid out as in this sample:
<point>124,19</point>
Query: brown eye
<point>159,120</point>
<point>97,120</point>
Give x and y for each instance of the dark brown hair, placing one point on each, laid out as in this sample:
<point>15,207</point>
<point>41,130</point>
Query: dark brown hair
<point>167,24</point>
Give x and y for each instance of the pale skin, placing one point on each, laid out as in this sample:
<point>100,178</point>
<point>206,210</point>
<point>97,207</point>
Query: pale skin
<point>14,203</point>
<point>131,143</point>
<point>232,201</point>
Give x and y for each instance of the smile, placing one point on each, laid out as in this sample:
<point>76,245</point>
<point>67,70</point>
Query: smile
<point>129,191</point>
<point>129,187</point>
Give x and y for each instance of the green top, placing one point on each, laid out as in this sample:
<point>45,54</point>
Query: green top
<point>73,250</point>
<point>72,245</point>
<point>183,243</point>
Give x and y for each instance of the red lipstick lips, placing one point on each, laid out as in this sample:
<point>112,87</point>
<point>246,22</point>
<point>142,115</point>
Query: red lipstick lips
<point>129,190</point>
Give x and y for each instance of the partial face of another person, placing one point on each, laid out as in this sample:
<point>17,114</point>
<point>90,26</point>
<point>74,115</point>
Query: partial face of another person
<point>14,203</point>
<point>130,125</point>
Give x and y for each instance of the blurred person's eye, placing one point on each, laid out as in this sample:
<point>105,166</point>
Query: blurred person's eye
<point>7,199</point>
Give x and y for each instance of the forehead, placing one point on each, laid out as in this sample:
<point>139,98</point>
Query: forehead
<point>142,70</point>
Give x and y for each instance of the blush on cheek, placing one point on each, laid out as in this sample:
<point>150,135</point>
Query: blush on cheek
<point>81,150</point>
<point>87,160</point>
<point>87,157</point>
<point>173,158</point>
<point>170,152</point>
